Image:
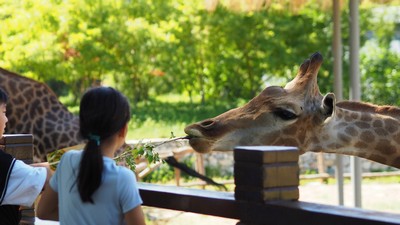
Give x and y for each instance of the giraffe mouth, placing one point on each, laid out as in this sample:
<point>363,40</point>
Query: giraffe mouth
<point>199,144</point>
<point>198,141</point>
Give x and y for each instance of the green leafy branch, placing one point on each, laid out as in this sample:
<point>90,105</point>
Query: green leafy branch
<point>146,150</point>
<point>130,154</point>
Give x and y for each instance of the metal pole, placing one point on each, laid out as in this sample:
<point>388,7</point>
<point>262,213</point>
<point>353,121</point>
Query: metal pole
<point>338,87</point>
<point>355,92</point>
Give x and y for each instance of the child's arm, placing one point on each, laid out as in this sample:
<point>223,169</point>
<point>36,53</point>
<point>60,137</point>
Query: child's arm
<point>48,205</point>
<point>48,170</point>
<point>135,216</point>
<point>25,184</point>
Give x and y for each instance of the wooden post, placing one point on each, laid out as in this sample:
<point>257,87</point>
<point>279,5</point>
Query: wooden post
<point>177,173</point>
<point>21,147</point>
<point>321,168</point>
<point>199,166</point>
<point>265,173</point>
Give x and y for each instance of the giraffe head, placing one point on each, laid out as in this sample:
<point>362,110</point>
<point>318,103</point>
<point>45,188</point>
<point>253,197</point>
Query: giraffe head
<point>277,116</point>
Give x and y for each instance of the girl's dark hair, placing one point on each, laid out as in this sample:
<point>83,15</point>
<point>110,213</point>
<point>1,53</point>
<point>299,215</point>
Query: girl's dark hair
<point>103,112</point>
<point>3,97</point>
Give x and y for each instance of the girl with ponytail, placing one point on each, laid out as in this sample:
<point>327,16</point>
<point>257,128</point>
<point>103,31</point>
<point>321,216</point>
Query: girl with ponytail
<point>88,187</point>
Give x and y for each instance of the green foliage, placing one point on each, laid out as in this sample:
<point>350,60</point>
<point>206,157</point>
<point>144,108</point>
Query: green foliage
<point>217,171</point>
<point>217,59</point>
<point>130,154</point>
<point>381,76</point>
<point>310,171</point>
<point>157,118</point>
<point>162,174</point>
<point>153,47</point>
<point>178,112</point>
<point>380,72</point>
<point>165,173</point>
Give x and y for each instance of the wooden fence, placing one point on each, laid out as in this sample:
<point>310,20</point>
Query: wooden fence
<point>266,192</point>
<point>266,179</point>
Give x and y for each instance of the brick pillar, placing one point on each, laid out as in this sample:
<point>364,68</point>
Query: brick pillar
<point>18,145</point>
<point>266,173</point>
<point>21,147</point>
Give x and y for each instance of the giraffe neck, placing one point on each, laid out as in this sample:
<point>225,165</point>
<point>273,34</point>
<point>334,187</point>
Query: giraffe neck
<point>35,109</point>
<point>364,130</point>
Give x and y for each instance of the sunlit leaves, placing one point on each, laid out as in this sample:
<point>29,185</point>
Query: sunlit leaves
<point>151,47</point>
<point>131,155</point>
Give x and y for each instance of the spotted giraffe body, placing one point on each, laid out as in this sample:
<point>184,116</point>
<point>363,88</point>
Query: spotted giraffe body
<point>33,108</point>
<point>298,115</point>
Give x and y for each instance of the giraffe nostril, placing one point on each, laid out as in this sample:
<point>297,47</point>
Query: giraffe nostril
<point>207,124</point>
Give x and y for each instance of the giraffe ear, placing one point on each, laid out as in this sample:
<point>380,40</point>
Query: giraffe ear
<point>328,104</point>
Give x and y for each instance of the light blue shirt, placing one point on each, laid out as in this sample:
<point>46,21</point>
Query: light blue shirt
<point>117,194</point>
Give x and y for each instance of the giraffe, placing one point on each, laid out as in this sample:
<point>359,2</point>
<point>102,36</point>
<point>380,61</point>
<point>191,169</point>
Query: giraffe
<point>299,115</point>
<point>33,108</point>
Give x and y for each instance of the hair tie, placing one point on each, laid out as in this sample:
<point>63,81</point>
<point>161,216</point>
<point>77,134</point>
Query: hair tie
<point>93,137</point>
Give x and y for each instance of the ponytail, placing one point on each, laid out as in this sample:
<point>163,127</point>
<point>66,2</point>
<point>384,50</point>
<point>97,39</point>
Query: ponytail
<point>90,171</point>
<point>103,112</point>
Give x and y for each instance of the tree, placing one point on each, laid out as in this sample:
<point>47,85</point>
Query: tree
<point>152,47</point>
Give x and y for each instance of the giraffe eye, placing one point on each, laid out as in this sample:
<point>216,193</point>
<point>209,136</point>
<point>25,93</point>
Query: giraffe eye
<point>285,114</point>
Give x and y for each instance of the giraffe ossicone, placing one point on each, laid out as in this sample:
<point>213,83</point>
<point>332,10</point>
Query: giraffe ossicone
<point>299,115</point>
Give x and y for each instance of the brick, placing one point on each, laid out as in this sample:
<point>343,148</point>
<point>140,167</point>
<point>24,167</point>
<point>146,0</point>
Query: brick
<point>266,154</point>
<point>21,147</point>
<point>266,176</point>
<point>285,193</point>
<point>265,173</point>
<point>243,193</point>
<point>16,139</point>
<point>20,151</point>
<point>18,145</point>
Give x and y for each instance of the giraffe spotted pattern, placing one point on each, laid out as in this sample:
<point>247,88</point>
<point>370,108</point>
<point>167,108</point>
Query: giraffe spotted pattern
<point>33,108</point>
<point>299,115</point>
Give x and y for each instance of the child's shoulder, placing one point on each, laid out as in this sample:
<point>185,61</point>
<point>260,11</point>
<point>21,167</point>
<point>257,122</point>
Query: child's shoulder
<point>125,172</point>
<point>72,154</point>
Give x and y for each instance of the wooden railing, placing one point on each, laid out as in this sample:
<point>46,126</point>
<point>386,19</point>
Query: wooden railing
<point>266,192</point>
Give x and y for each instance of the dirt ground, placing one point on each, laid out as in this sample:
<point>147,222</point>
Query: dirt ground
<point>379,197</point>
